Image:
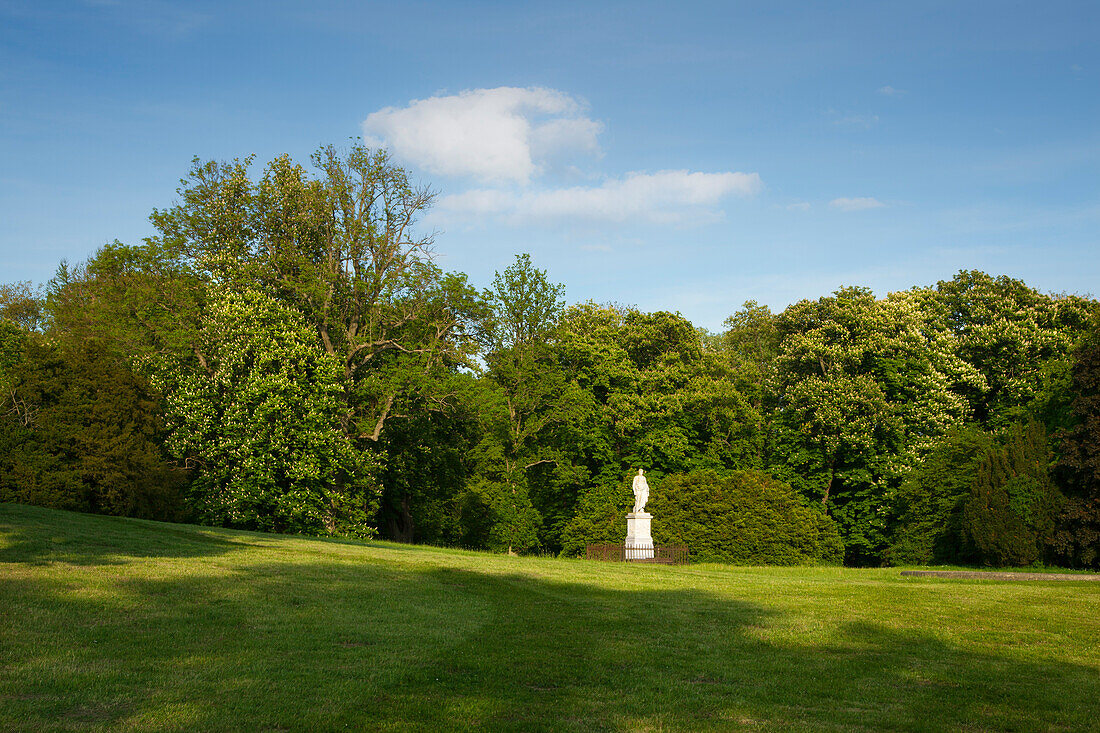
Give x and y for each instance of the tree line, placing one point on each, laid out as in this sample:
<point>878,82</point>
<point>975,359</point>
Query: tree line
<point>285,355</point>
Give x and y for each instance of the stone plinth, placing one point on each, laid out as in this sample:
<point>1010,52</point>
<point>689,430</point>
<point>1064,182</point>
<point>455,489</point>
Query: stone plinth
<point>639,542</point>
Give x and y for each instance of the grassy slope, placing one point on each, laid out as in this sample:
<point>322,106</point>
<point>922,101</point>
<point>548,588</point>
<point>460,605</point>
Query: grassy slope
<point>122,624</point>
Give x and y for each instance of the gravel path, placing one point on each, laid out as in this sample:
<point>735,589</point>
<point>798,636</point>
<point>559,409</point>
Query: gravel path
<point>995,575</point>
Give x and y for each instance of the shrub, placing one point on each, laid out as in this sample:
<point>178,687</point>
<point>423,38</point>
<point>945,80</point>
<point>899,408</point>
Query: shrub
<point>929,504</point>
<point>744,517</point>
<point>80,431</point>
<point>1010,513</point>
<point>508,521</point>
<point>1077,539</point>
<point>600,518</point>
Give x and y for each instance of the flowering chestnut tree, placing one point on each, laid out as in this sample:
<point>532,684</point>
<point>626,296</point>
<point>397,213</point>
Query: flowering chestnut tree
<point>865,388</point>
<point>261,425</point>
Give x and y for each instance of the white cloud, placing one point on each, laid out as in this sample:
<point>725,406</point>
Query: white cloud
<point>890,91</point>
<point>662,197</point>
<point>506,134</point>
<point>509,136</point>
<point>799,206</point>
<point>563,136</point>
<point>856,204</point>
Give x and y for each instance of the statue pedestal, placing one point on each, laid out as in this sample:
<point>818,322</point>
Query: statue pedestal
<point>639,542</point>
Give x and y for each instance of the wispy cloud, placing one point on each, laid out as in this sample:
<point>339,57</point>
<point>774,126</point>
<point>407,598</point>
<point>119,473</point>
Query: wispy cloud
<point>890,91</point>
<point>501,135</point>
<point>850,119</point>
<point>799,206</point>
<point>666,197</point>
<point>856,204</point>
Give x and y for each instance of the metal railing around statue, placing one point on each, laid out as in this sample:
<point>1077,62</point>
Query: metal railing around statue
<point>662,554</point>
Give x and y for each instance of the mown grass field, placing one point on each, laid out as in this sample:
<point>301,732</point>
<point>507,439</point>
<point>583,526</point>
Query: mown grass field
<point>119,624</point>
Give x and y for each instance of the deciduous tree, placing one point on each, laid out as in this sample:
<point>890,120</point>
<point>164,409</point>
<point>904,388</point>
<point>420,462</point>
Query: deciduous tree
<point>865,388</point>
<point>261,427</point>
<point>1008,332</point>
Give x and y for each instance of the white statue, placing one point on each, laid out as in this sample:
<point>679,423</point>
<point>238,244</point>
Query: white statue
<point>641,491</point>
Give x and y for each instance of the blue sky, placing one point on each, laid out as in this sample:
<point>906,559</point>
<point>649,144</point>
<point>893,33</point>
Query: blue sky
<point>682,156</point>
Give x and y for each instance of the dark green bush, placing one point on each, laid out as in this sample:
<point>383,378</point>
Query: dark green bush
<point>1077,538</point>
<point>600,517</point>
<point>1013,503</point>
<point>929,504</point>
<point>744,517</point>
<point>80,431</point>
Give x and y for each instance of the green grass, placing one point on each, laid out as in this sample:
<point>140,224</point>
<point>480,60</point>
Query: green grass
<point>120,624</point>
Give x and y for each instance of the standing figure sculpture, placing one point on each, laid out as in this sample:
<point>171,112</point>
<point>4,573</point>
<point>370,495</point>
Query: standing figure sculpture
<point>641,491</point>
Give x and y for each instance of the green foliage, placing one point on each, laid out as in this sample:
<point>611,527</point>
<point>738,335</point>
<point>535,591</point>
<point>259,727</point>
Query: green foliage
<point>23,304</point>
<point>262,426</point>
<point>865,388</point>
<point>513,524</point>
<point>526,305</point>
<point>426,464</point>
<point>335,253</point>
<point>410,402</point>
<point>600,518</point>
<point>750,346</point>
<point>744,517</point>
<point>929,527</point>
<point>644,390</point>
<point>13,340</point>
<point>660,399</point>
<point>340,248</point>
<point>1077,540</point>
<point>529,412</point>
<point>80,431</point>
<point>1009,516</point>
<point>139,301</point>
<point>1008,332</point>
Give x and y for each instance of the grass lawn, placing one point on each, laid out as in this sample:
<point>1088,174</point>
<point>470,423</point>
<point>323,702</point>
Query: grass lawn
<point>119,624</point>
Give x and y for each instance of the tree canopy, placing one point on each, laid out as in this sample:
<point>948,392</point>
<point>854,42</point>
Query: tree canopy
<point>284,354</point>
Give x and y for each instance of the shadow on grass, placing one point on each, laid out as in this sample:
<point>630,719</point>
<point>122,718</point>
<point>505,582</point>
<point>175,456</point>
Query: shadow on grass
<point>40,536</point>
<point>323,645</point>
